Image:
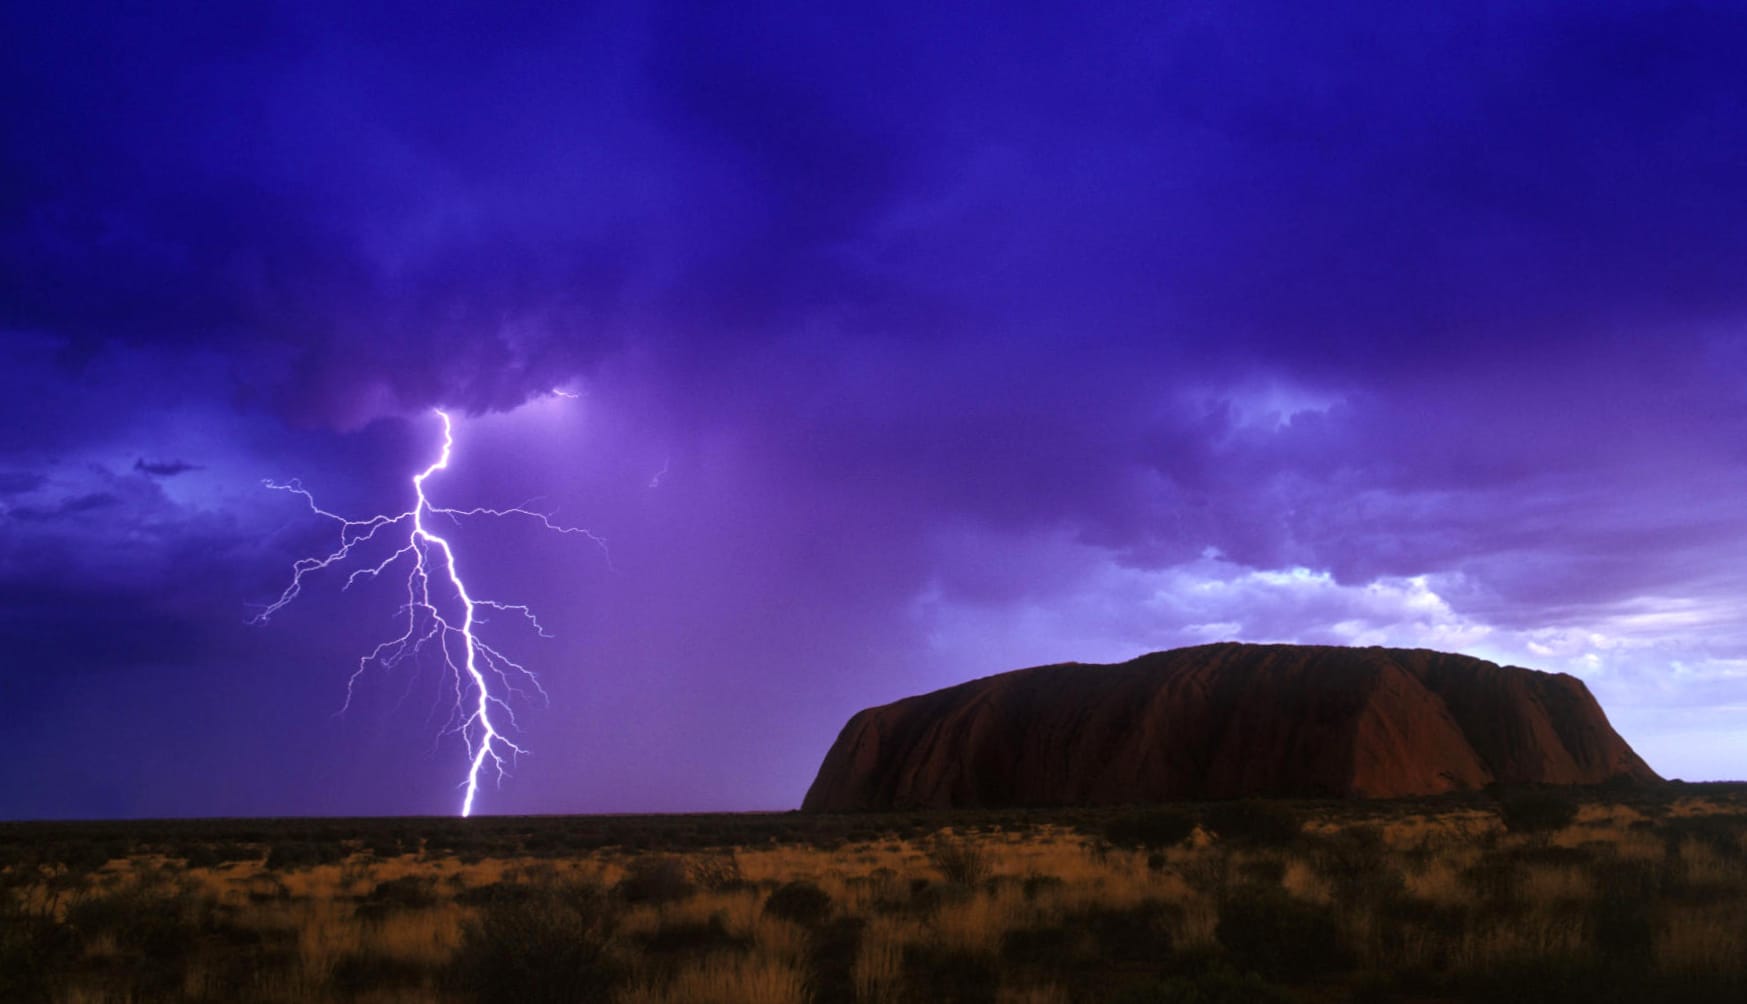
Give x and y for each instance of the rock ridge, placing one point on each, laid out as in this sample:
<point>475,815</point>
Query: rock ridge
<point>1226,720</point>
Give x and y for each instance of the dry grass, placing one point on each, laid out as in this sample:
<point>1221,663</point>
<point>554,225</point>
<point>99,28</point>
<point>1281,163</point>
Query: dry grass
<point>1048,993</point>
<point>1443,828</point>
<point>725,980</point>
<point>1447,896</point>
<point>1555,885</point>
<point>425,937</point>
<point>780,940</point>
<point>1305,882</point>
<point>974,926</point>
<point>1439,881</point>
<point>1703,939</point>
<point>878,974</point>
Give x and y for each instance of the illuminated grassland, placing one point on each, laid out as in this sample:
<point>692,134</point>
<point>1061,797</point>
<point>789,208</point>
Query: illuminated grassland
<point>1533,897</point>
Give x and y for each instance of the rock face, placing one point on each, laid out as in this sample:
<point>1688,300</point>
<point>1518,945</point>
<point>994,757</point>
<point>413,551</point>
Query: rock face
<point>1225,721</point>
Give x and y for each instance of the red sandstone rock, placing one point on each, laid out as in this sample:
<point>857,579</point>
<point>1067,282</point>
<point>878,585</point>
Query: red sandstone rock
<point>1225,721</point>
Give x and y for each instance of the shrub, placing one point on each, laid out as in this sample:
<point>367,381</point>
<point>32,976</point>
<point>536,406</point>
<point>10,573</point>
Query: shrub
<point>1621,920</point>
<point>1493,879</point>
<point>1150,828</point>
<point>692,938</point>
<point>33,949</point>
<point>1036,885</point>
<point>1622,928</point>
<point>1272,933</point>
<point>498,892</point>
<point>90,855</point>
<point>716,871</point>
<point>930,898</point>
<point>1049,948</point>
<point>1537,811</point>
<point>1137,934</point>
<point>387,845</point>
<point>289,855</point>
<point>831,953</point>
<point>1560,980</point>
<point>151,931</point>
<point>1550,854</point>
<point>1720,833</point>
<point>948,977</point>
<point>553,947</point>
<point>1270,870</point>
<point>148,921</point>
<point>201,856</point>
<point>960,861</point>
<point>1418,936</point>
<point>655,879</point>
<point>1216,985</point>
<point>409,892</point>
<point>1355,863</point>
<point>799,901</point>
<point>356,973</point>
<point>1252,822</point>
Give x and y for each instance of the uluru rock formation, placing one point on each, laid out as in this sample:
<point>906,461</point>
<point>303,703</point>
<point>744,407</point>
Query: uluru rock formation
<point>1225,721</point>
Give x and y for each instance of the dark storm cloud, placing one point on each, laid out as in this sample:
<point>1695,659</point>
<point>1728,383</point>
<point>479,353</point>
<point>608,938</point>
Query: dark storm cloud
<point>312,204</point>
<point>20,482</point>
<point>375,219</point>
<point>74,506</point>
<point>164,468</point>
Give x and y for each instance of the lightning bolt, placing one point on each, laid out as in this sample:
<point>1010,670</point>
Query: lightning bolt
<point>484,678</point>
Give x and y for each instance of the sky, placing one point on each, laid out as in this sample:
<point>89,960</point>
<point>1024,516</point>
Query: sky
<point>883,348</point>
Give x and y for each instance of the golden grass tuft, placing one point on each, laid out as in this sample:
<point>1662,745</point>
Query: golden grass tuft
<point>1702,939</point>
<point>425,937</point>
<point>878,972</point>
<point>1536,937</point>
<point>975,925</point>
<point>1304,882</point>
<point>723,979</point>
<point>1555,884</point>
<point>780,939</point>
<point>1439,881</point>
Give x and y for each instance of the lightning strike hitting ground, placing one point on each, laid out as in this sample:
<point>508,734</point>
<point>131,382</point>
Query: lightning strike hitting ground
<point>485,679</point>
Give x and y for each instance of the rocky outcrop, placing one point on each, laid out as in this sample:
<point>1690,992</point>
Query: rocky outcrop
<point>1225,721</point>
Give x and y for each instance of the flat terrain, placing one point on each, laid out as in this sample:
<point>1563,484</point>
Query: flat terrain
<point>1596,895</point>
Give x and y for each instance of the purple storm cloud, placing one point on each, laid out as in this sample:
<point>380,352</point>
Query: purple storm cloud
<point>888,348</point>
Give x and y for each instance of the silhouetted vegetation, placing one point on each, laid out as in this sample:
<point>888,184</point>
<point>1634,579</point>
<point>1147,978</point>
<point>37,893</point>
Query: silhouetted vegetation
<point>552,947</point>
<point>1536,895</point>
<point>959,860</point>
<point>655,879</point>
<point>1252,822</point>
<point>1266,930</point>
<point>1152,828</point>
<point>1537,811</point>
<point>1215,984</point>
<point>801,902</point>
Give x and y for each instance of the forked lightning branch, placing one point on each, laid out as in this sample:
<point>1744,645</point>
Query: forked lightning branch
<point>442,616</point>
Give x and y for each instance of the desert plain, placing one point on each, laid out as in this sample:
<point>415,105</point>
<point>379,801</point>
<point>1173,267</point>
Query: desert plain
<point>1617,892</point>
